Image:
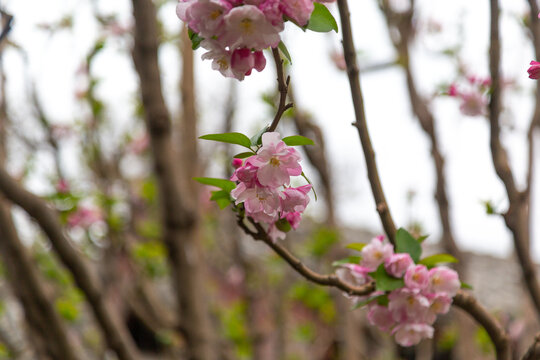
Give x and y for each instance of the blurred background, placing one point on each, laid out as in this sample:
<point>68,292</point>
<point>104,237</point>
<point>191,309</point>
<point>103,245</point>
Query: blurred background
<point>73,132</point>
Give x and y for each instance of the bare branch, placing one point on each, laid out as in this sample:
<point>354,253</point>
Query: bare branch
<point>283,87</point>
<point>361,125</point>
<point>533,352</point>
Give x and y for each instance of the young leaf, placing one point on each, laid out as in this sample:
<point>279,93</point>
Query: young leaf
<point>297,140</point>
<point>230,138</point>
<point>385,282</point>
<point>347,260</point>
<point>285,51</point>
<point>433,260</point>
<point>406,243</point>
<point>243,155</point>
<point>257,138</point>
<point>321,20</point>
<point>283,225</point>
<point>222,198</point>
<point>466,286</point>
<point>356,246</point>
<point>226,185</point>
<point>195,39</point>
<point>422,238</point>
<point>369,300</point>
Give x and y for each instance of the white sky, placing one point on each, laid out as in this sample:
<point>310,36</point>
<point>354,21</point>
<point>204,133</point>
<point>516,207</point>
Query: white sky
<point>402,149</point>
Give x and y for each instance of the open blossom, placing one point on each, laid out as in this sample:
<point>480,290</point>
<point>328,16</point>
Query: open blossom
<point>247,27</point>
<point>354,274</point>
<point>439,304</point>
<point>84,217</point>
<point>206,17</point>
<point>276,161</point>
<point>406,304</point>
<point>375,253</point>
<point>397,264</point>
<point>380,316</point>
<point>221,58</point>
<point>534,70</point>
<point>473,103</point>
<point>411,334</point>
<point>416,277</point>
<point>445,280</point>
<point>298,10</point>
<point>295,199</point>
<point>261,203</point>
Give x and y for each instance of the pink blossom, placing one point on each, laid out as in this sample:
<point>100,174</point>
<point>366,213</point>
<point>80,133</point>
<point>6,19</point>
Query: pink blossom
<point>261,203</point>
<point>236,163</point>
<point>247,27</point>
<point>276,161</point>
<point>221,58</point>
<point>375,253</point>
<point>182,7</point>
<point>473,103</point>
<point>380,316</point>
<point>84,217</point>
<point>445,280</point>
<point>246,174</point>
<point>298,10</point>
<point>274,233</point>
<point>406,304</point>
<point>206,17</point>
<point>439,304</point>
<point>243,61</point>
<point>294,219</point>
<point>416,277</point>
<point>397,264</point>
<point>272,11</point>
<point>412,334</point>
<point>534,70</point>
<point>295,199</point>
<point>452,90</point>
<point>62,186</point>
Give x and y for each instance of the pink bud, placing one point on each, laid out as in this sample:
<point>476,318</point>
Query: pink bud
<point>443,279</point>
<point>534,70</point>
<point>236,163</point>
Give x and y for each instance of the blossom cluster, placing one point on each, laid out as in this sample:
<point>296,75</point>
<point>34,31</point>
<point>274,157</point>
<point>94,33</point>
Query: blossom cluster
<point>263,186</point>
<point>236,31</point>
<point>473,95</point>
<point>409,311</point>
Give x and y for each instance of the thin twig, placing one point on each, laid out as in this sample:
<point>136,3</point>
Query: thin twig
<point>361,124</point>
<point>532,352</point>
<point>517,215</point>
<point>296,264</point>
<point>283,87</point>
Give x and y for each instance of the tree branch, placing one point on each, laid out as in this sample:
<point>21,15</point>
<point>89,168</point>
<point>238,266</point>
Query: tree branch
<point>533,352</point>
<point>361,124</point>
<point>283,87</point>
<point>115,333</point>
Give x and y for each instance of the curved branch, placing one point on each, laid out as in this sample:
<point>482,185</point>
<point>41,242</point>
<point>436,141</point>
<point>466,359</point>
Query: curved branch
<point>470,305</point>
<point>296,264</point>
<point>361,124</point>
<point>283,87</point>
<point>533,351</point>
<point>115,333</point>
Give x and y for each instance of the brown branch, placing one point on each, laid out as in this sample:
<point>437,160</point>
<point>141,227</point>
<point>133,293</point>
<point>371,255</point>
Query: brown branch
<point>498,336</point>
<point>361,125</point>
<point>533,352</point>
<point>462,300</point>
<point>283,88</point>
<point>517,215</point>
<point>114,331</point>
<point>403,25</point>
<point>179,220</point>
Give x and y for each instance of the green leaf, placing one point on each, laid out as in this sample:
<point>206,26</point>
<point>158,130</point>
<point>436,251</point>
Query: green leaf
<point>406,243</point>
<point>297,140</point>
<point>368,300</point>
<point>226,185</point>
<point>321,20</point>
<point>466,286</point>
<point>222,198</point>
<point>243,155</point>
<point>385,282</point>
<point>230,138</point>
<point>195,39</point>
<point>433,260</point>
<point>257,138</point>
<point>422,238</point>
<point>347,260</point>
<point>284,51</point>
<point>283,225</point>
<point>356,246</point>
